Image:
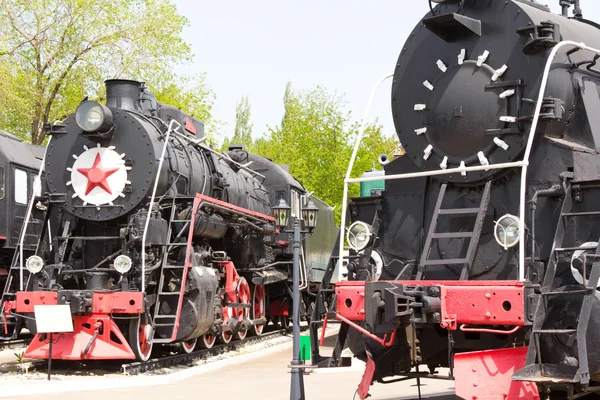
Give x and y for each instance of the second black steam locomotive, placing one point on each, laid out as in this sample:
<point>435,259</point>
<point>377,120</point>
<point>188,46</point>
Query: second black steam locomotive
<point>156,237</point>
<point>487,231</point>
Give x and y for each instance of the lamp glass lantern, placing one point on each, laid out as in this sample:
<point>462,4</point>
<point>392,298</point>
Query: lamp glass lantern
<point>281,212</point>
<point>309,215</point>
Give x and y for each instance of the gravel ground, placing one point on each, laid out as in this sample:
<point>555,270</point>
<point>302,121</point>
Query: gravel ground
<point>37,374</point>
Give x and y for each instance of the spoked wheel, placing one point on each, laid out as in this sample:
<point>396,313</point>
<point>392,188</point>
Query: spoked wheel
<point>188,347</point>
<point>283,321</point>
<point>244,313</point>
<point>225,337</point>
<point>139,338</point>
<point>258,308</point>
<point>208,340</point>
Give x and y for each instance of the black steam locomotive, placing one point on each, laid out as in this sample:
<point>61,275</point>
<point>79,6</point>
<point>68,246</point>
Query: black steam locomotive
<point>157,238</point>
<point>488,227</point>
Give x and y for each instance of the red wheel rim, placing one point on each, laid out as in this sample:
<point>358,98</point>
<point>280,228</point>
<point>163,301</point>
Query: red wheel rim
<point>209,340</point>
<point>188,346</point>
<point>145,346</point>
<point>243,294</point>
<point>228,312</point>
<point>259,307</point>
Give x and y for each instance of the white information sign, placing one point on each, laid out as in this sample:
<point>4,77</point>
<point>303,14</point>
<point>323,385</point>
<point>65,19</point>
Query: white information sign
<point>53,318</point>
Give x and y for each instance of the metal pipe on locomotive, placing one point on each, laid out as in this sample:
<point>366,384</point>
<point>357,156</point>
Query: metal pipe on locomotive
<point>487,228</point>
<point>157,237</point>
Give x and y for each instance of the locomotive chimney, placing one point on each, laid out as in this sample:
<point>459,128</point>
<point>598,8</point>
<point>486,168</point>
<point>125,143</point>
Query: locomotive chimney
<point>123,93</point>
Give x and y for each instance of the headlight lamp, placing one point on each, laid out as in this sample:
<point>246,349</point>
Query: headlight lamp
<point>359,235</point>
<point>34,264</point>
<point>122,264</point>
<point>93,117</point>
<point>506,231</point>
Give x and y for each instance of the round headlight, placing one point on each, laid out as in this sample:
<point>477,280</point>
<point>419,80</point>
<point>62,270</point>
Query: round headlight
<point>506,231</point>
<point>92,117</point>
<point>122,264</point>
<point>359,235</point>
<point>34,264</point>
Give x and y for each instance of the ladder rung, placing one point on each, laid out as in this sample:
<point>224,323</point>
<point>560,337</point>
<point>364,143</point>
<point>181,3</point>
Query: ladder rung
<point>446,262</point>
<point>163,325</point>
<point>175,244</point>
<point>569,293</point>
<point>564,249</point>
<point>180,220</point>
<point>168,293</point>
<point>555,331</point>
<point>174,267</point>
<point>165,316</point>
<point>450,235</point>
<point>458,211</point>
<point>581,214</point>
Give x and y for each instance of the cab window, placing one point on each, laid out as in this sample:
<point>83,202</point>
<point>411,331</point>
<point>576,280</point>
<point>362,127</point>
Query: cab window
<point>21,183</point>
<point>1,182</point>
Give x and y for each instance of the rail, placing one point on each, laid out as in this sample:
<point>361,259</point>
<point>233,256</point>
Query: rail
<point>151,205</point>
<point>523,164</point>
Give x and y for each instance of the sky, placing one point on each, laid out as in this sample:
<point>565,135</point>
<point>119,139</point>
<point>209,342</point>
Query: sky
<point>255,47</point>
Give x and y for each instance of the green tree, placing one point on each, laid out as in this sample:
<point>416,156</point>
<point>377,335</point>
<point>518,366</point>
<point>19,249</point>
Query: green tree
<point>63,49</point>
<point>315,139</point>
<point>374,143</point>
<point>190,94</point>
<point>243,127</point>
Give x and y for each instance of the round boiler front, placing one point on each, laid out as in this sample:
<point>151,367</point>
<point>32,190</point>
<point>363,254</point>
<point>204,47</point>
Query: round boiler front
<point>103,179</point>
<point>467,78</point>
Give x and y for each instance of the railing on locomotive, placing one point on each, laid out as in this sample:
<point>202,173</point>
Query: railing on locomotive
<point>523,163</point>
<point>34,194</point>
<point>167,136</point>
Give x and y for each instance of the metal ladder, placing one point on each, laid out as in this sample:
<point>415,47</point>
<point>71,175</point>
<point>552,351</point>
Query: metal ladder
<point>11,287</point>
<point>473,236</point>
<point>9,295</point>
<point>535,370</point>
<point>165,324</point>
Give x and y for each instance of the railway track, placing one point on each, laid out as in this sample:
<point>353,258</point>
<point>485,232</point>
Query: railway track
<point>179,359</point>
<point>13,343</point>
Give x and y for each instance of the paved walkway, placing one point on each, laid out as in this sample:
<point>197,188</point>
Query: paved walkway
<point>259,377</point>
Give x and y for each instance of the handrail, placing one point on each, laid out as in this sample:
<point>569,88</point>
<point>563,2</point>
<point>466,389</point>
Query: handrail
<point>198,142</point>
<point>522,164</point>
<point>361,132</point>
<point>151,205</point>
<point>534,124</point>
<point>28,216</point>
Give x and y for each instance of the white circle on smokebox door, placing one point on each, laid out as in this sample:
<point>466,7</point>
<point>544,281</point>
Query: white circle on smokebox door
<point>109,159</point>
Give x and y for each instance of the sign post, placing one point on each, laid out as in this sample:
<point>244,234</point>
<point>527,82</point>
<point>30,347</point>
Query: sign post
<point>52,319</point>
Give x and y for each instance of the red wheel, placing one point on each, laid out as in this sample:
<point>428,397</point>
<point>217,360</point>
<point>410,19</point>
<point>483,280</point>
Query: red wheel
<point>225,337</point>
<point>188,347</point>
<point>243,294</point>
<point>139,338</point>
<point>258,308</point>
<point>208,340</point>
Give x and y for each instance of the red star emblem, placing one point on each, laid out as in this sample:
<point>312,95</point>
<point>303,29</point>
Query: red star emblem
<point>97,176</point>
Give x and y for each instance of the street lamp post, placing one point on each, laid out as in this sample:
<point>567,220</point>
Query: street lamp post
<point>297,386</point>
<point>309,217</point>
